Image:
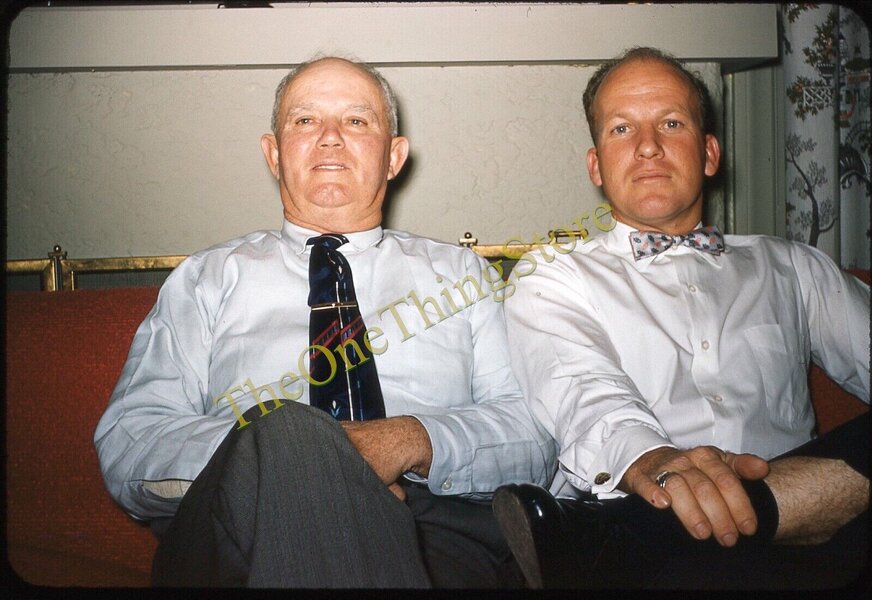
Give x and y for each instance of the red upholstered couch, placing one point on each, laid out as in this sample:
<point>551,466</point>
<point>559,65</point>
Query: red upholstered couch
<point>64,352</point>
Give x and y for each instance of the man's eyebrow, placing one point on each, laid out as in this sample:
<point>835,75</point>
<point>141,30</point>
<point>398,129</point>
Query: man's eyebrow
<point>624,114</point>
<point>292,110</point>
<point>362,108</point>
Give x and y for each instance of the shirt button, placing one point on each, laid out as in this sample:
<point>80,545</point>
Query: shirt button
<point>446,485</point>
<point>692,288</point>
<point>602,478</point>
<point>705,345</point>
<point>718,398</point>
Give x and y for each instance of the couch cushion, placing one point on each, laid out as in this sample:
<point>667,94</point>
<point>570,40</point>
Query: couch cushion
<point>832,405</point>
<point>64,352</point>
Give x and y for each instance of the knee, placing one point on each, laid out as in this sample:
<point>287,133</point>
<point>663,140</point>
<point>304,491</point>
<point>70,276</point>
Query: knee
<point>286,421</point>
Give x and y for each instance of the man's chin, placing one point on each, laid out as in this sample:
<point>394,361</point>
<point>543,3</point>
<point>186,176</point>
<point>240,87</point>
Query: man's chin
<point>331,194</point>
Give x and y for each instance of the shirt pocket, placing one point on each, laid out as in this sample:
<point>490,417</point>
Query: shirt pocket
<point>776,352</point>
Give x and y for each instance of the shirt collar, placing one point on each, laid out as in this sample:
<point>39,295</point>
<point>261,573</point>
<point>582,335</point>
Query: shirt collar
<point>296,237</point>
<point>617,241</point>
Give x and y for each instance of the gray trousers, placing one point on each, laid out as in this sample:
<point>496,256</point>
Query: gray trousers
<point>288,502</point>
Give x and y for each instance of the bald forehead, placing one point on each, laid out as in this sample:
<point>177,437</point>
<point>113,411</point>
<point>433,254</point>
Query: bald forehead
<point>642,61</point>
<point>300,77</point>
<point>332,60</point>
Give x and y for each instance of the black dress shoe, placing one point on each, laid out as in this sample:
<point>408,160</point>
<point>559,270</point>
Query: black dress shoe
<point>557,543</point>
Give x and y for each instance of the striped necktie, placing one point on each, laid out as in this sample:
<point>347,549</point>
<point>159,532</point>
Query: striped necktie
<point>342,372</point>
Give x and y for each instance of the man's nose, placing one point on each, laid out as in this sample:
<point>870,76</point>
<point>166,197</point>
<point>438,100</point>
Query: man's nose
<point>649,144</point>
<point>331,135</point>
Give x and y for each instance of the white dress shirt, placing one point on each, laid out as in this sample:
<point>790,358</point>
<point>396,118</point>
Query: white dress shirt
<point>617,357</point>
<point>233,319</point>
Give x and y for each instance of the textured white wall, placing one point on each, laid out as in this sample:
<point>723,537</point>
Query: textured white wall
<point>130,163</point>
<point>167,162</point>
<point>133,131</point>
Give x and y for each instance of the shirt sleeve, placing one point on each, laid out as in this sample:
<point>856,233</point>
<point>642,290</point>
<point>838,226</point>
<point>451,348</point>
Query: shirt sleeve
<point>156,434</point>
<point>571,375</point>
<point>837,308</point>
<point>495,440</point>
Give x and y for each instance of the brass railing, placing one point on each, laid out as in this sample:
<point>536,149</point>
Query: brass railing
<point>57,272</point>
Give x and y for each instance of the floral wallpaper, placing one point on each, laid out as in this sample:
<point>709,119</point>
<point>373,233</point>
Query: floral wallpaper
<point>827,130</point>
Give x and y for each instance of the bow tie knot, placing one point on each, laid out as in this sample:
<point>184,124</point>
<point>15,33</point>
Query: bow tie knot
<point>651,243</point>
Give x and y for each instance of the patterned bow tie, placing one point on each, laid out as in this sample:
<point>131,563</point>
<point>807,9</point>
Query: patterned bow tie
<point>650,243</point>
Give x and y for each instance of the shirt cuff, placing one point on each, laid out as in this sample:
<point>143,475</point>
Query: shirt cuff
<point>618,453</point>
<point>442,479</point>
<point>168,488</point>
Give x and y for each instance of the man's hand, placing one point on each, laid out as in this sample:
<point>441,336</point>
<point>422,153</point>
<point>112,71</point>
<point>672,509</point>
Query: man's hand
<point>704,489</point>
<point>391,447</point>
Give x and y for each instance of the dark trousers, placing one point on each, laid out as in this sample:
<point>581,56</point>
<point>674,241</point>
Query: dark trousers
<point>651,549</point>
<point>461,542</point>
<point>288,502</point>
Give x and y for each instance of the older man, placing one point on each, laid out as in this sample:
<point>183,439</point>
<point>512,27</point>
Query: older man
<point>668,363</point>
<point>419,417</point>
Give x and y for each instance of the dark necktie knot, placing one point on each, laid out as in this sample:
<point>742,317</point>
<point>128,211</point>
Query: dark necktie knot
<point>650,243</point>
<point>330,278</point>
<point>331,241</point>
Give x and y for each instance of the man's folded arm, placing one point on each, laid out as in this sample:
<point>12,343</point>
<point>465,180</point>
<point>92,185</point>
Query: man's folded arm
<point>572,379</point>
<point>478,447</point>
<point>157,433</point>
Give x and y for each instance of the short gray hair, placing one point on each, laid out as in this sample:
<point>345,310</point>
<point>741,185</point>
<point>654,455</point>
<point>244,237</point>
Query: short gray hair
<point>388,95</point>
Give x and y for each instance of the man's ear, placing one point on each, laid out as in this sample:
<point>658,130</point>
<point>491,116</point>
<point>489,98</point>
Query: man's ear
<point>593,167</point>
<point>399,153</point>
<point>712,155</point>
<point>270,147</point>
